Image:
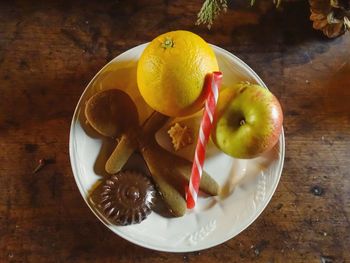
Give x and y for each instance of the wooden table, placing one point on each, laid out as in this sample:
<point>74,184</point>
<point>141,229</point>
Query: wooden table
<point>49,52</point>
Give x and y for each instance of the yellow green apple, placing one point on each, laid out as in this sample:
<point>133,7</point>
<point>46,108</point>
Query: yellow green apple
<point>247,122</point>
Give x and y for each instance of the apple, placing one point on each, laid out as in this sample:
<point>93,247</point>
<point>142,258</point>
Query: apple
<point>247,122</point>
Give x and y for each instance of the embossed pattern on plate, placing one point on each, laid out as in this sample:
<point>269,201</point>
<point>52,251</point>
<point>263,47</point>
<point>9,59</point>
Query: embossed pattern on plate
<point>248,185</point>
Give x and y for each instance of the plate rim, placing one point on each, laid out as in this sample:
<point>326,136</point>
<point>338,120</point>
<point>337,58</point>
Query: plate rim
<point>145,245</point>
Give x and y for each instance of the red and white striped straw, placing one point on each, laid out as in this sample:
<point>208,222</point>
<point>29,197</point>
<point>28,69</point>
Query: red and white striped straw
<point>212,85</point>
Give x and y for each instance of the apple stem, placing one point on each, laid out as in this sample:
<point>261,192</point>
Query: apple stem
<point>242,122</point>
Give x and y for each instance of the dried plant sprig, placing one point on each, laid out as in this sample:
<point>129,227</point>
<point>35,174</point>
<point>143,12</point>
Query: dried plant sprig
<point>277,2</point>
<point>212,8</point>
<point>347,23</point>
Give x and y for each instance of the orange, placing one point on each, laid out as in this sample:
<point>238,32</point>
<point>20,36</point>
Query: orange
<point>171,72</point>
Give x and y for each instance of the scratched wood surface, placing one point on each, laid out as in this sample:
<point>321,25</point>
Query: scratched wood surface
<point>50,51</point>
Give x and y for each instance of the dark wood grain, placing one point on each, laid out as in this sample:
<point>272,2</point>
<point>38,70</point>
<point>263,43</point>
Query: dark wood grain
<point>50,51</point>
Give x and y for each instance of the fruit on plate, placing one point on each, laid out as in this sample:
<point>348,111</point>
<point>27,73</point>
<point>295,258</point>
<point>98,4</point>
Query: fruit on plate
<point>248,121</point>
<point>171,72</point>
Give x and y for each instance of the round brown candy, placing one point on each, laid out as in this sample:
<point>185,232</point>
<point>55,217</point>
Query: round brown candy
<point>127,198</point>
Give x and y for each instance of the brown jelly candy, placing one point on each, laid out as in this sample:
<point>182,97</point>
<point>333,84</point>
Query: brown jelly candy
<point>126,198</point>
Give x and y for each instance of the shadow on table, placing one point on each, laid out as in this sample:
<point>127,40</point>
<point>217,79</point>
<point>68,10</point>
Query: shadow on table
<point>285,33</point>
<point>335,94</point>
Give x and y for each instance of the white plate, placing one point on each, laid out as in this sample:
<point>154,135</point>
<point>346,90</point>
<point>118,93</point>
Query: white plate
<point>248,184</point>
